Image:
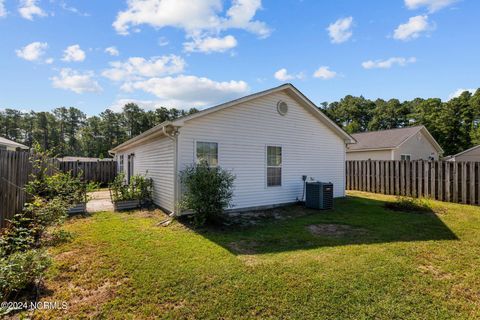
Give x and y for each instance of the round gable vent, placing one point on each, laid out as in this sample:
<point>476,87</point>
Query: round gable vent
<point>282,108</point>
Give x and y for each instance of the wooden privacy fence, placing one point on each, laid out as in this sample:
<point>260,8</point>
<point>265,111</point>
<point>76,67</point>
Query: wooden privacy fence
<point>102,171</point>
<point>441,180</point>
<point>15,168</point>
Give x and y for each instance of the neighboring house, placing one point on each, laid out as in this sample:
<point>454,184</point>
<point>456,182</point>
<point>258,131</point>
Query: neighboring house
<point>10,145</point>
<point>472,154</point>
<point>268,140</point>
<point>410,143</point>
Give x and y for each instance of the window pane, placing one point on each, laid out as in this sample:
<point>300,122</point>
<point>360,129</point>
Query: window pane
<point>207,151</point>
<point>274,177</point>
<point>274,156</point>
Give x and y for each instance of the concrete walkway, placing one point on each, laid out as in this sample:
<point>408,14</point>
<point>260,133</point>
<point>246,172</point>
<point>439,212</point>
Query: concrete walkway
<point>100,201</point>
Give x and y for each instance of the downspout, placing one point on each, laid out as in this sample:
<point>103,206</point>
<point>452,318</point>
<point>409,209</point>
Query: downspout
<point>173,135</point>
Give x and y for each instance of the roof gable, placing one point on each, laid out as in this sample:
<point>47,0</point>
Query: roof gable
<point>288,88</point>
<point>389,139</point>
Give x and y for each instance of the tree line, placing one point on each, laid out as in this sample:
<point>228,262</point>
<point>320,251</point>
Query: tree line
<point>455,124</point>
<point>69,132</point>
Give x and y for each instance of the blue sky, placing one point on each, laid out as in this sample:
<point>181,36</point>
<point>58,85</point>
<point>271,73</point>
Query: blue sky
<point>179,53</point>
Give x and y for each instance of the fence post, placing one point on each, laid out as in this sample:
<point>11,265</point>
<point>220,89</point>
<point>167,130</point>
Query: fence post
<point>472,182</point>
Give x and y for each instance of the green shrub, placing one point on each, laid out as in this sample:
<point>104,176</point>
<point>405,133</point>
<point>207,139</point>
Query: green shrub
<point>409,204</point>
<point>20,270</point>
<point>93,186</point>
<point>207,191</point>
<point>139,188</point>
<point>19,236</point>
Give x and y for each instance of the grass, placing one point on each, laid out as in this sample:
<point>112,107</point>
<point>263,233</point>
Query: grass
<point>380,264</point>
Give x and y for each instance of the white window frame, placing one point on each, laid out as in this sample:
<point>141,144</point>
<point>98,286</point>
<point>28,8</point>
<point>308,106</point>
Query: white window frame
<point>267,166</point>
<point>206,141</point>
<point>121,163</point>
<point>405,155</point>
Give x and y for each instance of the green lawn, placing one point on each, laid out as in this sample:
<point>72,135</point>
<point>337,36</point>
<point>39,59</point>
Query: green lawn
<point>381,264</point>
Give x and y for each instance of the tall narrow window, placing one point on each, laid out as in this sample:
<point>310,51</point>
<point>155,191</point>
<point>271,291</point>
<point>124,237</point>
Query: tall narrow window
<point>207,151</point>
<point>120,165</point>
<point>274,166</point>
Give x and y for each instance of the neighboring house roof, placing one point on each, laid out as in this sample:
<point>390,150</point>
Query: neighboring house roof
<point>82,159</point>
<point>461,153</point>
<point>13,144</point>
<point>389,139</point>
<point>288,88</point>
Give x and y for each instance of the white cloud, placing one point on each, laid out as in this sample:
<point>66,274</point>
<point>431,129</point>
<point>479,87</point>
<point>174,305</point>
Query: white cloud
<point>413,28</point>
<point>49,61</point>
<point>3,11</point>
<point>75,81</point>
<point>210,44</point>
<point>341,30</point>
<point>283,75</point>
<point>431,5</point>
<point>459,91</point>
<point>162,42</point>
<point>324,73</point>
<point>202,21</point>
<point>189,91</point>
<point>117,106</point>
<point>113,51</point>
<point>33,51</point>
<point>73,53</point>
<point>28,9</point>
<point>387,63</point>
<point>137,67</point>
<point>195,17</point>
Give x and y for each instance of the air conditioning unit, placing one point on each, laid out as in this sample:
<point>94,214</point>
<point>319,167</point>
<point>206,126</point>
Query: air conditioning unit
<point>319,195</point>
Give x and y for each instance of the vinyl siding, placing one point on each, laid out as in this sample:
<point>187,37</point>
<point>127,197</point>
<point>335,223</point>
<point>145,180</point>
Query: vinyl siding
<point>418,146</point>
<point>370,155</point>
<point>155,159</point>
<point>472,155</point>
<point>243,132</point>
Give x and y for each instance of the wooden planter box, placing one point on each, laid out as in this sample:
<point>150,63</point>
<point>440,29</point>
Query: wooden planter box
<point>126,205</point>
<point>78,208</point>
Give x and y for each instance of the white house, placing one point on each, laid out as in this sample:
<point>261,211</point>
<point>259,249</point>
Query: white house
<point>10,145</point>
<point>409,143</point>
<point>268,140</point>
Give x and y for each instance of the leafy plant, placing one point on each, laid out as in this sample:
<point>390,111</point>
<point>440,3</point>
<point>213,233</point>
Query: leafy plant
<point>139,188</point>
<point>208,191</point>
<point>93,186</point>
<point>21,269</point>
<point>409,204</point>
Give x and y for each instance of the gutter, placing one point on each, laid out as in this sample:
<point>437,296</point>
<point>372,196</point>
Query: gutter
<point>172,133</point>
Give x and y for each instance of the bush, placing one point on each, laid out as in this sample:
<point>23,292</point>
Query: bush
<point>20,270</point>
<point>408,204</point>
<point>139,188</point>
<point>208,190</point>
<point>93,186</point>
<point>48,183</point>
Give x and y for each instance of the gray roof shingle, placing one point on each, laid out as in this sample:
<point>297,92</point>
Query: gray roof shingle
<point>383,139</point>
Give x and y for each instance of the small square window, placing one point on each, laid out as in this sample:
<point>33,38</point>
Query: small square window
<point>405,157</point>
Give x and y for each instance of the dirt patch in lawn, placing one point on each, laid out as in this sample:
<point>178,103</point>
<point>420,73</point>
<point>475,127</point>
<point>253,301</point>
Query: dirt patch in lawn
<point>335,230</point>
<point>243,247</point>
<point>82,279</point>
